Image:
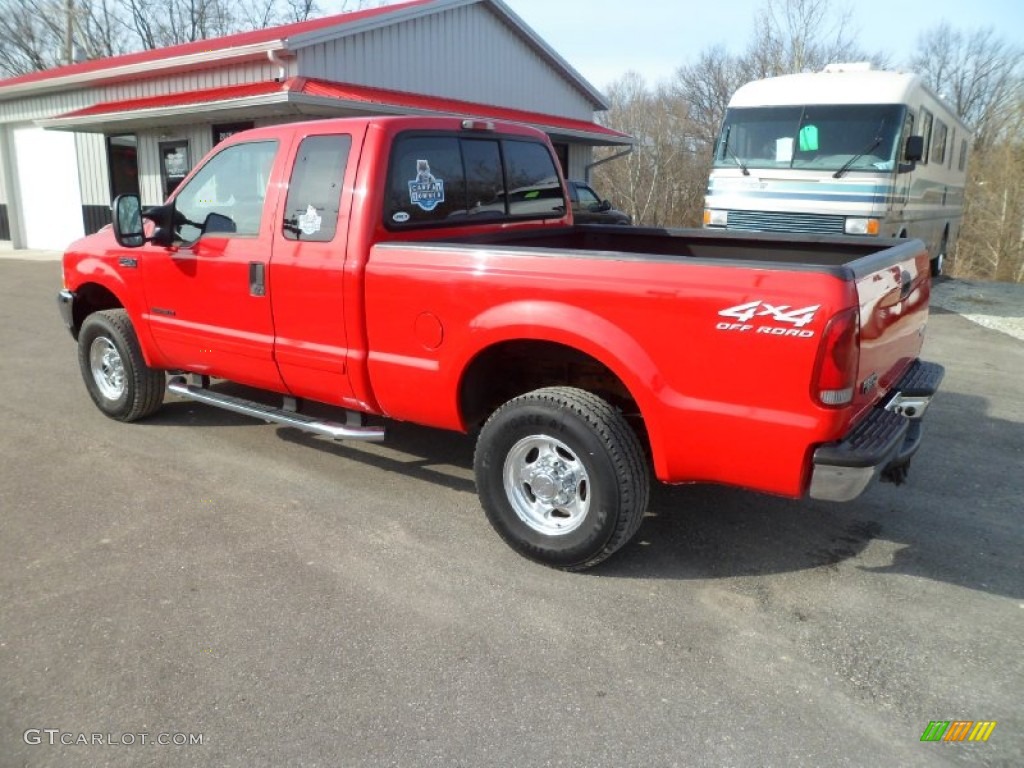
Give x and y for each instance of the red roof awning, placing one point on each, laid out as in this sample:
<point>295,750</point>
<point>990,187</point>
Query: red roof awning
<point>300,95</point>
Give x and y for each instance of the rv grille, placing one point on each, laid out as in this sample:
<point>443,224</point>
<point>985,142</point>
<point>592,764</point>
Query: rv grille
<point>771,221</point>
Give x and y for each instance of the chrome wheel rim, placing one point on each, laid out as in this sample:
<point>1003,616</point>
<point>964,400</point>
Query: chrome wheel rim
<point>547,485</point>
<point>107,368</point>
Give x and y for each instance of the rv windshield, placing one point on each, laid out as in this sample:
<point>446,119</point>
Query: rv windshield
<point>812,137</point>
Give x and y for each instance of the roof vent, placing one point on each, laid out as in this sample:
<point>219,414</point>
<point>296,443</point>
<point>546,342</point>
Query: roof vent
<point>851,66</point>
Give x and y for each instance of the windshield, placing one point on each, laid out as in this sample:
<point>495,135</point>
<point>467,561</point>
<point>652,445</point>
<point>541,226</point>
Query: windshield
<point>813,137</point>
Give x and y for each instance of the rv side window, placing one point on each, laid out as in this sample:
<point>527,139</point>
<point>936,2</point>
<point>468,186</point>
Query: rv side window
<point>963,153</point>
<point>926,132</point>
<point>938,151</point>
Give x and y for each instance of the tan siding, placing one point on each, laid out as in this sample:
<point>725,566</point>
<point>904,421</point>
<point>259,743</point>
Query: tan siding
<point>580,156</point>
<point>93,173</point>
<point>464,53</point>
<point>149,169</point>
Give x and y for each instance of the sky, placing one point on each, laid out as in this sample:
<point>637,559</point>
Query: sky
<point>602,39</point>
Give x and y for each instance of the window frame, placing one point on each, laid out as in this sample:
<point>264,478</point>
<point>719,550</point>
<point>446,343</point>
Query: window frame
<point>927,121</point>
<point>938,149</point>
<point>291,236</point>
<point>197,172</point>
<point>500,139</point>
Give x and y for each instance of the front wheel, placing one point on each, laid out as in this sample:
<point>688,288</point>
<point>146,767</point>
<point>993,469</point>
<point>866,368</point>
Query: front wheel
<point>114,370</point>
<point>562,477</point>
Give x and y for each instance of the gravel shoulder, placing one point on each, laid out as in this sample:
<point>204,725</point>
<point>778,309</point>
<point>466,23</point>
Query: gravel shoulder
<point>998,306</point>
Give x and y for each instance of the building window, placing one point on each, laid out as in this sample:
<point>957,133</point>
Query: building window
<point>226,130</point>
<point>123,164</point>
<point>963,154</point>
<point>174,164</point>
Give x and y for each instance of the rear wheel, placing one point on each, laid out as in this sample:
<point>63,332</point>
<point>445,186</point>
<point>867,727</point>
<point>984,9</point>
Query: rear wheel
<point>114,370</point>
<point>562,477</point>
<point>938,262</point>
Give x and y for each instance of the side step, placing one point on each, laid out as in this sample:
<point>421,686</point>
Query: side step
<point>179,385</point>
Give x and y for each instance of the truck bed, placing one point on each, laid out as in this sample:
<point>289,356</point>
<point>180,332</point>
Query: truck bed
<point>850,257</point>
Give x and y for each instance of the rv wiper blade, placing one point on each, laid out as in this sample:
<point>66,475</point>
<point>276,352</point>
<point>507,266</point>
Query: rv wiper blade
<point>740,163</point>
<point>728,150</point>
<point>858,156</point>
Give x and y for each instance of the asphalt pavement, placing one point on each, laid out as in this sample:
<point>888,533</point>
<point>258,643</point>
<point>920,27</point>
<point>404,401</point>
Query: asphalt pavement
<point>289,601</point>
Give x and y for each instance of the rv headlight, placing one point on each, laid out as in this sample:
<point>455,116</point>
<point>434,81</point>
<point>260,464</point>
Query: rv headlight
<point>713,218</point>
<point>861,226</point>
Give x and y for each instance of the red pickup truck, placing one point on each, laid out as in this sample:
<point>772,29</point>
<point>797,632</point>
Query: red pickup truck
<point>428,270</point>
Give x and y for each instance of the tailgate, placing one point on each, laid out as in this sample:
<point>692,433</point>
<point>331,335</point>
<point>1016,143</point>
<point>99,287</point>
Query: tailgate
<point>893,287</point>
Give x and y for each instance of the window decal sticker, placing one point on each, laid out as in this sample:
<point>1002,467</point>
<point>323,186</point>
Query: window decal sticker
<point>309,222</point>
<point>426,190</point>
<point>400,217</point>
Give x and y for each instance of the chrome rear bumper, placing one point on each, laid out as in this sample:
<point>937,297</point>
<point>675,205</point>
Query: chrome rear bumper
<point>883,443</point>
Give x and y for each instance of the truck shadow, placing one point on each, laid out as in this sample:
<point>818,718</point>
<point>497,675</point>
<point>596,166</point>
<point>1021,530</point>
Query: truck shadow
<point>957,520</point>
<point>435,456</point>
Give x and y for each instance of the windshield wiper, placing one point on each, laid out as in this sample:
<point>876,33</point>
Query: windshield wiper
<point>740,163</point>
<point>728,150</point>
<point>846,166</point>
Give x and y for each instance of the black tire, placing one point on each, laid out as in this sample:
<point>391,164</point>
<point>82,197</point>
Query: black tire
<point>938,263</point>
<point>577,441</point>
<point>115,373</point>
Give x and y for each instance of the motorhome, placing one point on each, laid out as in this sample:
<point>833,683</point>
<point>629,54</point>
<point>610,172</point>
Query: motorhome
<point>849,150</point>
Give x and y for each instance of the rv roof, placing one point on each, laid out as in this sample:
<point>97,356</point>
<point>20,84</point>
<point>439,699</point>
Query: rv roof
<point>845,87</point>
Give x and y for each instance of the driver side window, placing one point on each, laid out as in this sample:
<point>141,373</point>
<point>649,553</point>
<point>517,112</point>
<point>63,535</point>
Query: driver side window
<point>232,184</point>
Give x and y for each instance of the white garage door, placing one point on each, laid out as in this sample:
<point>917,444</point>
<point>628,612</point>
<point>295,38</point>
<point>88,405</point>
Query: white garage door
<point>51,201</point>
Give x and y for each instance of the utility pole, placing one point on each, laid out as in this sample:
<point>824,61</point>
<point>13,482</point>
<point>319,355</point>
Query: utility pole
<point>69,32</point>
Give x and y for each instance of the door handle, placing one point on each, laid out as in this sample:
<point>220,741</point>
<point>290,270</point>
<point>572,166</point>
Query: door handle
<point>257,278</point>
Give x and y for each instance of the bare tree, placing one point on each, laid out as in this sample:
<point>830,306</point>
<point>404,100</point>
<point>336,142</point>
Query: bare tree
<point>31,35</point>
<point>659,182</point>
<point>982,78</point>
<point>706,87</point>
<point>801,36</point>
<point>977,72</point>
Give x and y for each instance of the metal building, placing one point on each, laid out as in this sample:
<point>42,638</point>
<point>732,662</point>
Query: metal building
<point>74,137</point>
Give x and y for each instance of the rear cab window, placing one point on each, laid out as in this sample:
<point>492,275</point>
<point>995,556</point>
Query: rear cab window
<point>314,191</point>
<point>450,180</point>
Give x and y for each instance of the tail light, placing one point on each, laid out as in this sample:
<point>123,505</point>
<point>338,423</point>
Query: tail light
<point>835,371</point>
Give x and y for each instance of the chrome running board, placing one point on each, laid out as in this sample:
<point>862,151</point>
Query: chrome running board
<point>179,385</point>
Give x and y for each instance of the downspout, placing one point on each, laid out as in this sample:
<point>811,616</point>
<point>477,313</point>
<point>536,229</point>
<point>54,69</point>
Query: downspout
<point>282,68</point>
<point>586,170</point>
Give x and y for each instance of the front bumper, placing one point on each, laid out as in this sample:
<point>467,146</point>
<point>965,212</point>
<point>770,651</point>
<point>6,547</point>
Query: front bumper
<point>881,444</point>
<point>66,304</point>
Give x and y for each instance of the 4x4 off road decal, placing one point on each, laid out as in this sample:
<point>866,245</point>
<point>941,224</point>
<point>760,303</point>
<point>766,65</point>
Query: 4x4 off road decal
<point>426,190</point>
<point>770,319</point>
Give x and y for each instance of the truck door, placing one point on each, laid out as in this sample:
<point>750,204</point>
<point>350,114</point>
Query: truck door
<point>207,298</point>
<point>308,268</point>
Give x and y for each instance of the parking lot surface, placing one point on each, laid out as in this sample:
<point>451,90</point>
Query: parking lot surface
<point>297,602</point>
